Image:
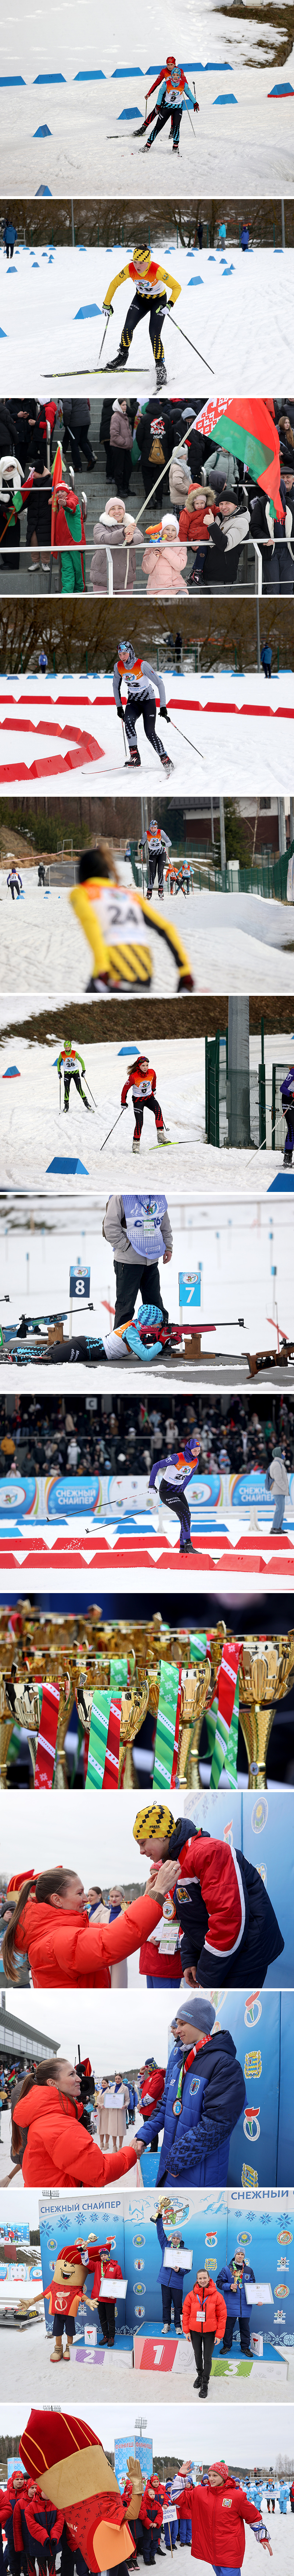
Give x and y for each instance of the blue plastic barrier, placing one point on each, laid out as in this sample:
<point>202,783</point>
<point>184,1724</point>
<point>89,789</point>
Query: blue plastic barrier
<point>62,1163</point>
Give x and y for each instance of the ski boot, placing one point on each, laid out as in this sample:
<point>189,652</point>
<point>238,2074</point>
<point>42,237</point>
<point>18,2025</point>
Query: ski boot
<point>149,894</point>
<point>136,1145</point>
<point>287,1163</point>
<point>111,364</point>
<point>161,375</point>
<point>165,762</point>
<point>134,761</point>
<point>175,147</point>
<point>160,894</point>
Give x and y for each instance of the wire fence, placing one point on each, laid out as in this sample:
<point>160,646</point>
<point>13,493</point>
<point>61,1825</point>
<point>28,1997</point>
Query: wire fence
<point>235,1102</point>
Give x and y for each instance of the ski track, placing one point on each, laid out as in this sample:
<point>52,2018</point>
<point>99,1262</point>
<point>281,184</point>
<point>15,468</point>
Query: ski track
<point>240,319</point>
<point>245,148</point>
<point>32,1130</point>
<point>43,950</point>
<point>212,738</point>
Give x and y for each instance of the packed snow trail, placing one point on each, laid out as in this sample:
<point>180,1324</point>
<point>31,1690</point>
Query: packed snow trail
<point>229,939</point>
<point>233,306</point>
<point>33,1131</point>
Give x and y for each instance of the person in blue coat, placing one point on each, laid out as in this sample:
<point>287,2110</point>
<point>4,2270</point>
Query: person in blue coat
<point>203,2097</point>
<point>232,2281</point>
<point>244,237</point>
<point>171,2282</point>
<point>10,237</point>
<point>266,661</point>
<point>284,2495</point>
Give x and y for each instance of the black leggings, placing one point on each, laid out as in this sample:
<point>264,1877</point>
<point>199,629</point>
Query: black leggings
<point>203,2351</point>
<point>146,707</point>
<point>177,1502</point>
<point>155,305</point>
<point>139,1106</point>
<point>162,119</point>
<point>76,1078</point>
<point>155,861</point>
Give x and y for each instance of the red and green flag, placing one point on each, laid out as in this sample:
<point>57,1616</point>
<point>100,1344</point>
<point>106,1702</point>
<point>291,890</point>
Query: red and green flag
<point>247,430</point>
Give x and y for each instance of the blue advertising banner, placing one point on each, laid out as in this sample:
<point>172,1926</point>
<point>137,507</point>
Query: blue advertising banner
<point>190,2215</point>
<point>271,1851</point>
<point>19,1498</point>
<point>132,2445</point>
<point>69,2224</point>
<point>261,2225</point>
<point>65,1495</point>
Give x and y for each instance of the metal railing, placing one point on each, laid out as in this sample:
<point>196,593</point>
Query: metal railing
<point>44,577</point>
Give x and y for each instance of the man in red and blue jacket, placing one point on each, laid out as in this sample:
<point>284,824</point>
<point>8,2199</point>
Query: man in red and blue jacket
<point>227,1925</point>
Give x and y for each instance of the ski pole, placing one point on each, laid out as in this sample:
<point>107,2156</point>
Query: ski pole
<point>104,338</point>
<point>59,1094</point>
<point>111,1131</point>
<point>185,737</point>
<point>125,745</point>
<point>197,353</point>
<point>91,1092</point>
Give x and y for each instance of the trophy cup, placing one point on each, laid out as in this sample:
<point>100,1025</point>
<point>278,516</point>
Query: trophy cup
<point>264,1676</point>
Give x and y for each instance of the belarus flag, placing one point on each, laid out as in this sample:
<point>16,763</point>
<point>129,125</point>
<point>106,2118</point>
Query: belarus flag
<point>247,429</point>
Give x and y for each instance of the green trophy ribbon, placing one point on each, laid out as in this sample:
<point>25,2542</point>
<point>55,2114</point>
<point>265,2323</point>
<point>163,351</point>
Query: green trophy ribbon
<point>224,1743</point>
<point>103,1752</point>
<point>118,1673</point>
<point>166,1725</point>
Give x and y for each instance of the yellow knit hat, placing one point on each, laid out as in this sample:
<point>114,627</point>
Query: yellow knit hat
<point>153,1820</point>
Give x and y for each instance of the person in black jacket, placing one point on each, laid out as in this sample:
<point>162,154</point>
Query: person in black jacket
<point>276,536</point>
<point>227,536</point>
<point>154,437</point>
<point>38,504</point>
<point>261,1940</point>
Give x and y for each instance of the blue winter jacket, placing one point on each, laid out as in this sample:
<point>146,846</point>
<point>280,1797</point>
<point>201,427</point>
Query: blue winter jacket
<point>262,1940</point>
<point>172,2280</point>
<point>196,2146</point>
<point>236,2303</point>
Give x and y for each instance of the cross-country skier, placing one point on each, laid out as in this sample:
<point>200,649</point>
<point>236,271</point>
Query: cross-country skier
<point>155,847</point>
<point>14,881</point>
<point>148,279</point>
<point>114,918</point>
<point>287,1107</point>
<point>173,95</point>
<point>68,1063</point>
<point>141,1081</point>
<point>141,681</point>
<point>175,1473</point>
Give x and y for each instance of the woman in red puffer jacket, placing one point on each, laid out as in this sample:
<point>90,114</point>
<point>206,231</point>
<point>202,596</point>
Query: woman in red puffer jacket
<point>204,2317</point>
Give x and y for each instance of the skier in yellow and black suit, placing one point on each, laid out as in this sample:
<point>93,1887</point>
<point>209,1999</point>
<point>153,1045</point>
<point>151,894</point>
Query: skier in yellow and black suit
<point>149,279</point>
<point>114,919</point>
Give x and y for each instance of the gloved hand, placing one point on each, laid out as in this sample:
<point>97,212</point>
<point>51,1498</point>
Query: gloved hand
<point>185,983</point>
<point>164,715</point>
<point>196,108</point>
<point>120,713</point>
<point>107,308</point>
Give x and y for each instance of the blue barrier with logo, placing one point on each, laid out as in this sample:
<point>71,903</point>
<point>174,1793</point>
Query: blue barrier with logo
<point>262,2226</point>
<point>19,1498</point>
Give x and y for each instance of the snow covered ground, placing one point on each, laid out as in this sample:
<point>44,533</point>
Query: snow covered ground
<point>239,318</point>
<point>32,1131</point>
<point>226,731</point>
<point>28,2375</point>
<point>241,941</point>
<point>243,140</point>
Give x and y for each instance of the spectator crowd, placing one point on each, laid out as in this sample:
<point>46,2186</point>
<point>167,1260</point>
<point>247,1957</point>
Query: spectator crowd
<point>99,1437</point>
<point>205,510</point>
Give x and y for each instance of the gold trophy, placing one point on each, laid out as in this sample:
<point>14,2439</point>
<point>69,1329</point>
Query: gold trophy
<point>264,1677</point>
<point>194,1695</point>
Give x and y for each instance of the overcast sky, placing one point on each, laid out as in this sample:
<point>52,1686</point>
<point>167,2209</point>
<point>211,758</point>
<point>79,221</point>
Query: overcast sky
<point>175,2431</point>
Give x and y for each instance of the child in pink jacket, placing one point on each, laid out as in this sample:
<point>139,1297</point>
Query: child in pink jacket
<point>164,560</point>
